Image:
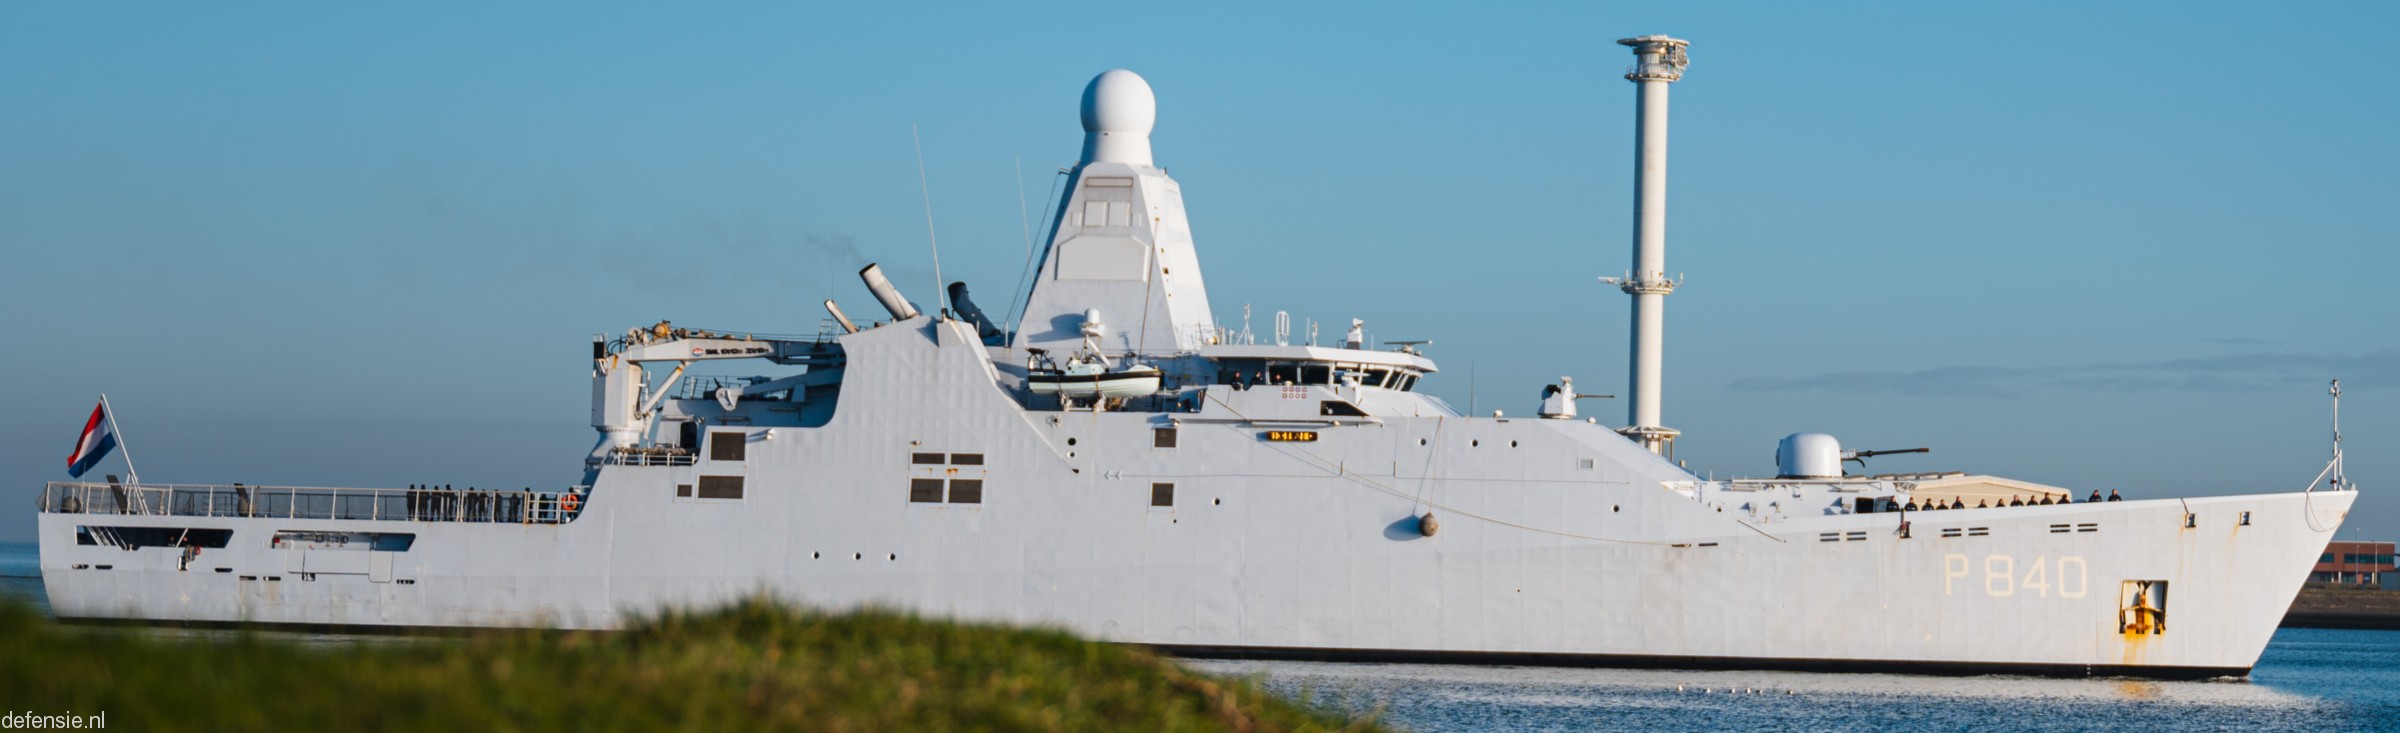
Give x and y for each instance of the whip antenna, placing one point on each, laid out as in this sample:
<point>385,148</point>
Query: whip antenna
<point>927,190</point>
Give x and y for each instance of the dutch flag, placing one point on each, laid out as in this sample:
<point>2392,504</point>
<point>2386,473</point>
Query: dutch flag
<point>97,440</point>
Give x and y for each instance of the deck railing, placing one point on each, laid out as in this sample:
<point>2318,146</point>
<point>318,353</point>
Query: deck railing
<point>649,457</point>
<point>292,502</point>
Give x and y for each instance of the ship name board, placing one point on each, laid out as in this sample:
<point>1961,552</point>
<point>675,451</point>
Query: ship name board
<point>1290,436</point>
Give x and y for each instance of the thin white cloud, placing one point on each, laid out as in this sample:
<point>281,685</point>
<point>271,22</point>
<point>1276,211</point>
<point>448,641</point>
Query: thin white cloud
<point>2247,372</point>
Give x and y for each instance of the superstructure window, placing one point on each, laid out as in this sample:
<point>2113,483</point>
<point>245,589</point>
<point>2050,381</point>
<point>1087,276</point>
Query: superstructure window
<point>958,490</point>
<point>728,446</point>
<point>925,490</point>
<point>1339,408</point>
<point>1162,437</point>
<point>1162,495</point>
<point>720,487</point>
<point>134,538</point>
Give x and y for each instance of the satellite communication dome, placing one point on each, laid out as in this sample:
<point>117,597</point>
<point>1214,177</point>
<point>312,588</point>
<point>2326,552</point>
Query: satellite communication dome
<point>1118,111</point>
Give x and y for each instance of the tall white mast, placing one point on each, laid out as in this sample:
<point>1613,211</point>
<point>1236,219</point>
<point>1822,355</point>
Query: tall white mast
<point>1658,61</point>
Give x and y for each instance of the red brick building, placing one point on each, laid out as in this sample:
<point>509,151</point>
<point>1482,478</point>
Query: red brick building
<point>2354,563</point>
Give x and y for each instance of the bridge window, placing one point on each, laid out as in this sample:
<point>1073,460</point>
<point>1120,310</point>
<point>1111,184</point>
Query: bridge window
<point>1162,437</point>
<point>1162,495</point>
<point>926,459</point>
<point>966,491</point>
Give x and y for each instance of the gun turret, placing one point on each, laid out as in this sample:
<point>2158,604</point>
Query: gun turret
<point>1861,456</point>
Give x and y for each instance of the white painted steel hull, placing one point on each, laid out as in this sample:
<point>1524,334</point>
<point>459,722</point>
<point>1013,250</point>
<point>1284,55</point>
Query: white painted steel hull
<point>1279,549</point>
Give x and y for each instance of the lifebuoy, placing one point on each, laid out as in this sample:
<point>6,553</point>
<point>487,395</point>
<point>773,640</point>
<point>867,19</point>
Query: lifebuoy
<point>569,502</point>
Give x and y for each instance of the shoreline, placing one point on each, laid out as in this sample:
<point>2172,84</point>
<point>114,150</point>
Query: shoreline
<point>2329,607</point>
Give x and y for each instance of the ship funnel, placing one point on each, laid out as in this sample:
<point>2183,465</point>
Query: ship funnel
<point>966,309</point>
<point>1658,62</point>
<point>840,317</point>
<point>885,293</point>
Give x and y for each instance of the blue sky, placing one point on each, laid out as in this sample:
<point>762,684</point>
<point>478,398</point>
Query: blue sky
<point>2115,248</point>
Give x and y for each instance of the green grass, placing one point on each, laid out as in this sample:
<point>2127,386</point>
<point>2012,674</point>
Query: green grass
<point>756,665</point>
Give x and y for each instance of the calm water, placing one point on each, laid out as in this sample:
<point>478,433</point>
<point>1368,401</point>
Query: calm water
<point>2310,679</point>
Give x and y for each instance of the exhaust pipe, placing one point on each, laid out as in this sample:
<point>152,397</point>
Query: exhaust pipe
<point>838,317</point>
<point>966,308</point>
<point>885,293</point>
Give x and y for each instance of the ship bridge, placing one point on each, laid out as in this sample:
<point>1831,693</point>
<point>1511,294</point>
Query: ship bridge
<point>1250,365</point>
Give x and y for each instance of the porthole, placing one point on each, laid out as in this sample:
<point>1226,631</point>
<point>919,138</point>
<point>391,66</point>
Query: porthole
<point>858,556</point>
<point>1475,444</point>
<point>1218,502</point>
<point>1420,441</point>
<point>1612,508</point>
<point>1070,441</point>
<point>816,555</point>
<point>1512,444</point>
<point>895,556</point>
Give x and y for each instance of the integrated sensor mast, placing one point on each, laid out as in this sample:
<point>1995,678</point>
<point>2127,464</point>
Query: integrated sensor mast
<point>1659,61</point>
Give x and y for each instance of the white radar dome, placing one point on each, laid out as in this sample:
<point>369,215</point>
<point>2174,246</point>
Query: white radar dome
<point>1118,112</point>
<point>1808,455</point>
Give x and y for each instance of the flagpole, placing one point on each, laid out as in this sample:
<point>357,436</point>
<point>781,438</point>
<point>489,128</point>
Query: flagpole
<point>111,412</point>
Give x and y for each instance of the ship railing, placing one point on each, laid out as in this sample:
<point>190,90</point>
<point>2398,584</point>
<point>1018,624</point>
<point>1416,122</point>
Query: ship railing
<point>649,457</point>
<point>294,502</point>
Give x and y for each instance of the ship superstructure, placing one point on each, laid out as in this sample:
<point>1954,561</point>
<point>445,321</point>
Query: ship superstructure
<point>1120,463</point>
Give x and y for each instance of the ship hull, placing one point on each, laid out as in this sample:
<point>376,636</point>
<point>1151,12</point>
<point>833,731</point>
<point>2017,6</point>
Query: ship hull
<point>1557,540</point>
<point>1921,603</point>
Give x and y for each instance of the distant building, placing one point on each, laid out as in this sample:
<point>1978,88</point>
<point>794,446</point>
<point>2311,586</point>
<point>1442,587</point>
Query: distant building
<point>2356,563</point>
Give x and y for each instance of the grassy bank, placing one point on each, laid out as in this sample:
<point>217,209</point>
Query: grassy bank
<point>753,666</point>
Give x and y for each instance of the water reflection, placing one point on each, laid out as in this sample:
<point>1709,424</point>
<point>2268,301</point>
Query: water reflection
<point>2294,687</point>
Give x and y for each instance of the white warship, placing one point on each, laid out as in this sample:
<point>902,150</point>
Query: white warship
<point>1121,463</point>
